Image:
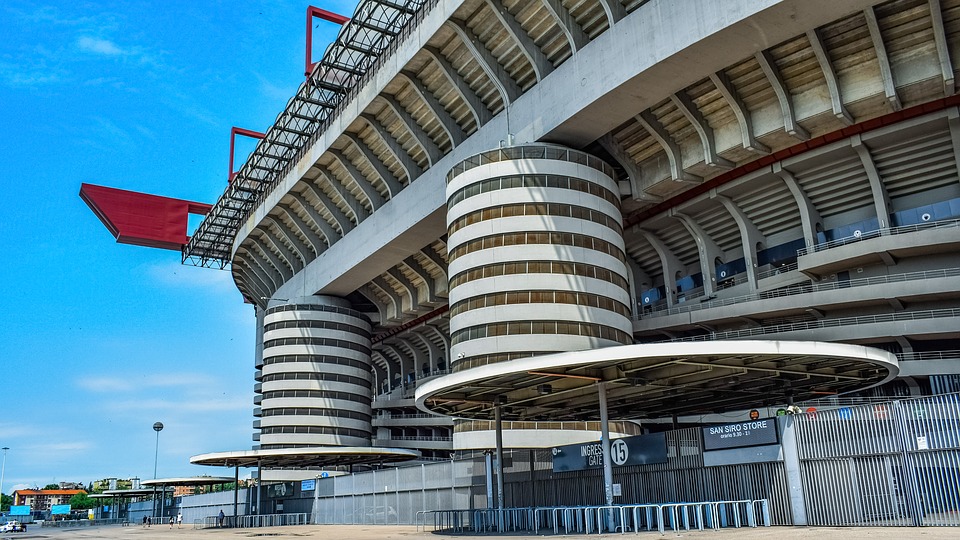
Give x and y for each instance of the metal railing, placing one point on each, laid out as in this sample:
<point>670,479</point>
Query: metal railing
<point>929,355</point>
<point>253,521</point>
<point>67,523</point>
<point>826,323</point>
<point>620,518</point>
<point>416,438</point>
<point>539,151</point>
<point>800,289</point>
<point>389,416</point>
<point>877,233</point>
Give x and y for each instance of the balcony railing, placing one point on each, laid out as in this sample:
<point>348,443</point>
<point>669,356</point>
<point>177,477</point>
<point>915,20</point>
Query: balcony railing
<point>539,151</point>
<point>803,289</point>
<point>826,323</point>
<point>928,355</point>
<point>407,416</point>
<point>416,438</point>
<point>406,387</point>
<point>886,231</point>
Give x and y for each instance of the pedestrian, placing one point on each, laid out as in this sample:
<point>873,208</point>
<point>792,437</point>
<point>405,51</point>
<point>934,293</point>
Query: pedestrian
<point>144,525</point>
<point>220,518</point>
<point>149,521</point>
<point>180,520</point>
<point>171,522</point>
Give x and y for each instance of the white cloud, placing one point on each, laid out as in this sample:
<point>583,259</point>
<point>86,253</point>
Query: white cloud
<point>184,405</point>
<point>14,431</point>
<point>104,384</point>
<point>100,46</point>
<point>111,131</point>
<point>59,447</point>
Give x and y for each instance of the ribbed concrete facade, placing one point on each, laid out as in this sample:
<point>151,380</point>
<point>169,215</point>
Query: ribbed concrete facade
<point>315,383</point>
<point>785,169</point>
<point>536,256</point>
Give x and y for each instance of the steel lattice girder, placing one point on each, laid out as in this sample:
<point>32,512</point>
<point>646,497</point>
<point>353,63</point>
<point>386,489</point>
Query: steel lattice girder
<point>374,25</point>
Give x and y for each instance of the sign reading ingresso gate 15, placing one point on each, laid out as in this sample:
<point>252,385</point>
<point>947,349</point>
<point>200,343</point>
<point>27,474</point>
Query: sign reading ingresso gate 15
<point>740,434</point>
<point>639,450</point>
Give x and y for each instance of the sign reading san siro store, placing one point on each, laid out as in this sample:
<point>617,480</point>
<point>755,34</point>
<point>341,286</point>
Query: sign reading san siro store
<point>740,434</point>
<point>639,450</point>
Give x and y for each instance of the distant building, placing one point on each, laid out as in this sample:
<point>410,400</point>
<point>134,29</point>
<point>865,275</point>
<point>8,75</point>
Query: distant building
<point>40,500</point>
<point>180,491</point>
<point>113,483</point>
<point>72,485</point>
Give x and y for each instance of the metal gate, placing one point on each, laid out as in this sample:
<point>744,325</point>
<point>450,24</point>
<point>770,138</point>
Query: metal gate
<point>884,464</point>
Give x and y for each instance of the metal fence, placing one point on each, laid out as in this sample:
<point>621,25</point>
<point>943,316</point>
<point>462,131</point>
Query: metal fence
<point>588,519</point>
<point>894,463</point>
<point>403,495</point>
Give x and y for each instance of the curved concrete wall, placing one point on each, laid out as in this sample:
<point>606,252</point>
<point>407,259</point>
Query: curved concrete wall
<point>536,260</point>
<point>316,379</point>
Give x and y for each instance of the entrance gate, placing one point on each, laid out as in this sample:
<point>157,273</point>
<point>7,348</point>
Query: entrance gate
<point>895,463</point>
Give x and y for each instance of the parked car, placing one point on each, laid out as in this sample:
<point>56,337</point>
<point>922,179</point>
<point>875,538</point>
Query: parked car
<point>12,526</point>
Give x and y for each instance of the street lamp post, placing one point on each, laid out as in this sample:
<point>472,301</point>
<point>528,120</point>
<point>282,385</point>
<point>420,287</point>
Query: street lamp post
<point>157,426</point>
<point>3,469</point>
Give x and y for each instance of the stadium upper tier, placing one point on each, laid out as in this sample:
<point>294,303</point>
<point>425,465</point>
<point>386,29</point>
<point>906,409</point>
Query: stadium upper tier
<point>497,180</point>
<point>679,95</point>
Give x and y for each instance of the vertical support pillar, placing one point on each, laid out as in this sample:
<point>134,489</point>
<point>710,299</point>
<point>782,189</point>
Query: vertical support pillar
<point>488,462</point>
<point>791,465</point>
<point>423,487</point>
<point>259,484</point>
<point>605,445</point>
<point>498,420</point>
<point>316,500</point>
<point>533,478</point>
<point>236,488</point>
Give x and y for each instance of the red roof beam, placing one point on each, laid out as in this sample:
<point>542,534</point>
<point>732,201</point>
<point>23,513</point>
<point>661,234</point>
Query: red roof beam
<point>234,131</point>
<point>322,14</point>
<point>141,219</point>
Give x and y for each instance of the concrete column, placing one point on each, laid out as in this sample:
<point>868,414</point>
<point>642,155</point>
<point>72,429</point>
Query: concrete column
<point>791,465</point>
<point>605,445</point>
<point>499,427</point>
<point>259,484</point>
<point>488,466</point>
<point>236,488</point>
<point>316,499</point>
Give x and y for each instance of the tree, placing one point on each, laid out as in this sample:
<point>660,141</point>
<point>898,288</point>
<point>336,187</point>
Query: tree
<point>52,486</point>
<point>81,501</point>
<point>5,502</point>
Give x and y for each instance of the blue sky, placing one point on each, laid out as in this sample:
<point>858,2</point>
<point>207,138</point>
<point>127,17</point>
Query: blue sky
<point>100,340</point>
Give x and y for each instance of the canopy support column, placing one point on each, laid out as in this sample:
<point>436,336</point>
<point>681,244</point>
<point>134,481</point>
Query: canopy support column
<point>498,420</point>
<point>259,484</point>
<point>605,444</point>
<point>488,466</point>
<point>236,488</point>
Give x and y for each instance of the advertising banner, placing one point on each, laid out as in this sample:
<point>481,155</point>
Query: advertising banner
<point>59,509</point>
<point>20,510</point>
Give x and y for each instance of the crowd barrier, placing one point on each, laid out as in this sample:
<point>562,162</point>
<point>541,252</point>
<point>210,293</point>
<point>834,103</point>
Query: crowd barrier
<point>253,521</point>
<point>676,517</point>
<point>67,523</point>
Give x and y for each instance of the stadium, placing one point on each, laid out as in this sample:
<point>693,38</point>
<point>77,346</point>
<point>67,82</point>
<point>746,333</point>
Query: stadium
<point>474,213</point>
